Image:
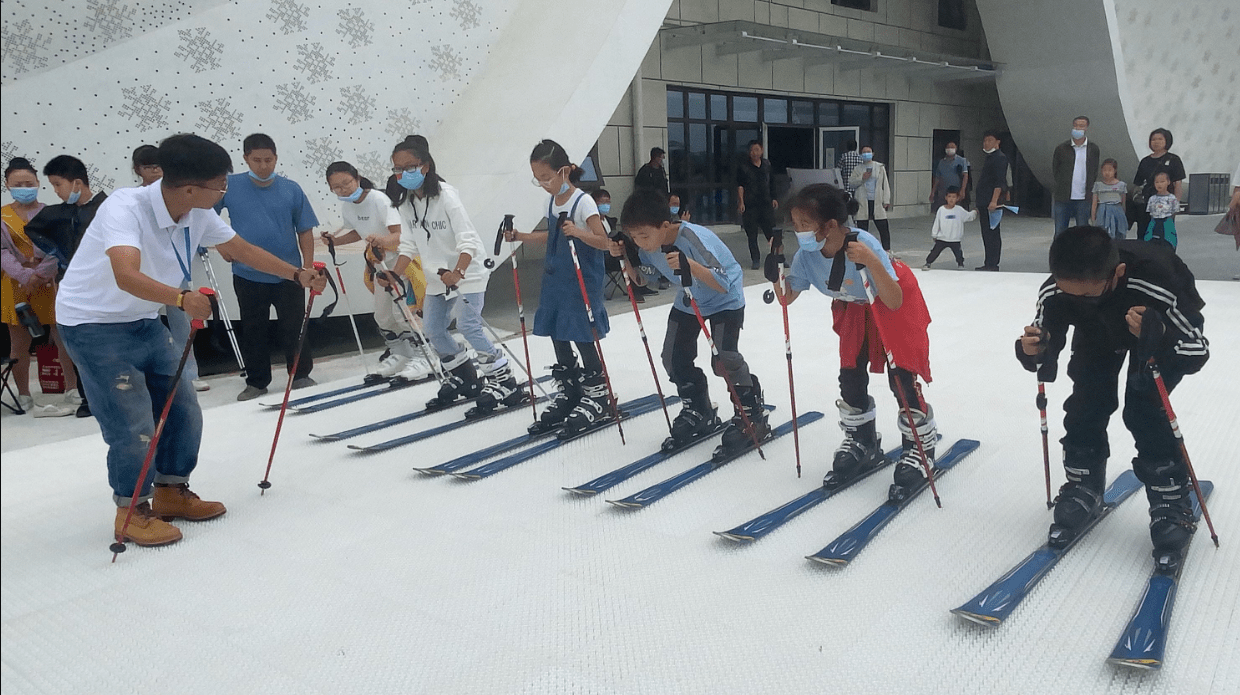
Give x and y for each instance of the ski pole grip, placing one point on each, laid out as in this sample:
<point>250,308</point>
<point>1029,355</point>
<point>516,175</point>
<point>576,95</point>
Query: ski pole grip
<point>1041,400</point>
<point>442,272</point>
<point>321,267</point>
<point>199,324</point>
<point>559,222</point>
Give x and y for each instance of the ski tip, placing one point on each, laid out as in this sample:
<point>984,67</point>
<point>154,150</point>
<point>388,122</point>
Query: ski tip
<point>579,491</point>
<point>1142,664</point>
<point>358,447</point>
<point>977,619</point>
<point>325,437</point>
<point>466,476</point>
<point>829,561</point>
<point>733,537</point>
<point>429,471</point>
<point>624,505</point>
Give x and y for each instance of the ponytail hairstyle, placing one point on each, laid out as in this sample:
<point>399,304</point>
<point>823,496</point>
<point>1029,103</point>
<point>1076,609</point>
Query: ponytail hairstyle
<point>421,150</point>
<point>19,164</point>
<point>823,202</point>
<point>346,168</point>
<point>554,155</point>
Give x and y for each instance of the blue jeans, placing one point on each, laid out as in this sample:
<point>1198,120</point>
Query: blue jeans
<point>178,325</point>
<point>1063,211</point>
<point>437,310</point>
<point>127,369</point>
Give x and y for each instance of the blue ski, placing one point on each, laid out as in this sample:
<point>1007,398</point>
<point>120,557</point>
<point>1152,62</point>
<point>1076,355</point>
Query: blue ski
<point>996,603</point>
<point>759,527</point>
<point>383,424</point>
<point>1144,640</point>
<point>317,406</point>
<point>490,469</point>
<point>436,431</point>
<point>658,491</point>
<point>842,550</point>
<point>475,457</point>
<point>294,403</point>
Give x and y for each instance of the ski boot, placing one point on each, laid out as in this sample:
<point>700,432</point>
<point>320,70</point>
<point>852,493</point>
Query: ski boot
<point>592,409</point>
<point>697,417</point>
<point>1171,510</point>
<point>736,437</point>
<point>501,389</point>
<point>1080,499</point>
<point>462,383</point>
<point>862,446</point>
<point>909,474</point>
<point>568,381</point>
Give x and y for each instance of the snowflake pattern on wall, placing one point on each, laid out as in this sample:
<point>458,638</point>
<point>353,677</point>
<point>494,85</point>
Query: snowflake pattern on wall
<point>290,14</point>
<point>374,166</point>
<point>110,19</point>
<point>21,46</point>
<point>99,182</point>
<point>218,118</point>
<point>467,13</point>
<point>319,152</point>
<point>7,152</point>
<point>294,102</point>
<point>199,49</point>
<point>400,122</point>
<point>146,106</point>
<point>355,103</point>
<point>447,62</point>
<point>355,28</point>
<point>315,63</point>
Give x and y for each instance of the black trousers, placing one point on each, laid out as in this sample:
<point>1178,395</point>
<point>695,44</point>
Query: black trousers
<point>589,356</point>
<point>759,217</point>
<point>855,382</point>
<point>939,245</point>
<point>883,227</point>
<point>990,239</point>
<point>680,349</point>
<point>255,300</point>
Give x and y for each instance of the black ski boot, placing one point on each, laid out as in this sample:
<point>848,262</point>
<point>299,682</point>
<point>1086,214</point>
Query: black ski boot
<point>1080,499</point>
<point>1171,509</point>
<point>501,390</point>
<point>736,437</point>
<point>568,381</point>
<point>862,446</point>
<point>462,383</point>
<point>697,417</point>
<point>593,408</point>
<point>909,474</point>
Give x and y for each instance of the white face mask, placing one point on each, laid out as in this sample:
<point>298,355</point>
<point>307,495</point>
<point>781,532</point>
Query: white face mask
<point>951,151</point>
<point>989,151</point>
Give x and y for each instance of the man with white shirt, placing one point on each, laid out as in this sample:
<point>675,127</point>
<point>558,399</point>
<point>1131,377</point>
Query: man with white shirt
<point>1075,168</point>
<point>129,265</point>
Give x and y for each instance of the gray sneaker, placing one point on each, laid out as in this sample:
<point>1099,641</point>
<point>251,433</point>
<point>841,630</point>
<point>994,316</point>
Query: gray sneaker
<point>303,382</point>
<point>250,392</point>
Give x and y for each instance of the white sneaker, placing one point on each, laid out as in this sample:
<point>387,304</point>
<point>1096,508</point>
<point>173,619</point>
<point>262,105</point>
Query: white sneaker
<point>392,365</point>
<point>73,397</point>
<point>26,403</point>
<point>416,369</point>
<point>52,411</point>
<point>200,385</point>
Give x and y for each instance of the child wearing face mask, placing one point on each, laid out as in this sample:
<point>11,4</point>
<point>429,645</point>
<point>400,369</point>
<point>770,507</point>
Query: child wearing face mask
<point>827,261</point>
<point>602,198</point>
<point>583,398</point>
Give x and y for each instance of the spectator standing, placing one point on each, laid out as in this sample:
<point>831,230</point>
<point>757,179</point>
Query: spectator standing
<point>272,213</point>
<point>652,175</point>
<point>1109,195</point>
<point>1161,209</point>
<point>756,202</point>
<point>847,162</point>
<point>992,187</point>
<point>1159,159</point>
<point>146,164</point>
<point>873,192</point>
<point>1074,166</point>
<point>950,171</point>
<point>948,229</point>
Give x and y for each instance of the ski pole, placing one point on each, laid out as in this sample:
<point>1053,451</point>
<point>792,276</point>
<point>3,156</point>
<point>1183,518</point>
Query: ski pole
<point>637,314</point>
<point>686,281</point>
<point>868,283</point>
<point>1046,446</point>
<point>398,297</point>
<point>792,391</point>
<point>504,227</point>
<point>1179,438</point>
<point>321,267</point>
<point>119,546</point>
<point>331,250</point>
<point>598,347</point>
<point>205,255</point>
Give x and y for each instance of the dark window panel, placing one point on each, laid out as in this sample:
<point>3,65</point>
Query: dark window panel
<point>867,5</point>
<point>855,114</point>
<point>718,107</point>
<point>952,14</point>
<point>775,110</point>
<point>828,113</point>
<point>745,109</point>
<point>675,104</point>
<point>697,105</point>
<point>802,113</point>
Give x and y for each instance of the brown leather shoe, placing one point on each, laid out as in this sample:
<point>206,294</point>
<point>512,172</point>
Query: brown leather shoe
<point>145,528</point>
<point>178,502</point>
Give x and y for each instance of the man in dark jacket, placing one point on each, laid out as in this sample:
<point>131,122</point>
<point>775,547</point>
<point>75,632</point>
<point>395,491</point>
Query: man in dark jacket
<point>652,175</point>
<point>1075,168</point>
<point>992,187</point>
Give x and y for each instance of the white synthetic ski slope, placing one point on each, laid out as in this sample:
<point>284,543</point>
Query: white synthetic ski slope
<point>356,575</point>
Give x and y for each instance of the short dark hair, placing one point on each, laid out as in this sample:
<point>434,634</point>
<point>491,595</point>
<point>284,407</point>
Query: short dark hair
<point>1081,118</point>
<point>647,207</point>
<point>656,152</point>
<point>850,145</point>
<point>1083,253</point>
<point>1112,162</point>
<point>952,189</point>
<point>258,141</point>
<point>600,193</point>
<point>1163,132</point>
<point>188,159</point>
<point>752,143</point>
<point>992,133</point>
<point>822,202</point>
<point>67,167</point>
<point>145,156</point>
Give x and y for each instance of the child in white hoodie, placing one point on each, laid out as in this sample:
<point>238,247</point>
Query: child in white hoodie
<point>948,228</point>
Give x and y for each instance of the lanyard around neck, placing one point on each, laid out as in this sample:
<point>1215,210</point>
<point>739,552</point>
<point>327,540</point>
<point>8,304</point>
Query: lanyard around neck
<point>183,262</point>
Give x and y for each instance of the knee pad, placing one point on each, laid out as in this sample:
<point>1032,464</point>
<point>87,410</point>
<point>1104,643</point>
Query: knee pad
<point>727,363</point>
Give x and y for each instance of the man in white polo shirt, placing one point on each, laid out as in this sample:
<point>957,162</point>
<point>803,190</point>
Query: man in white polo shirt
<point>128,265</point>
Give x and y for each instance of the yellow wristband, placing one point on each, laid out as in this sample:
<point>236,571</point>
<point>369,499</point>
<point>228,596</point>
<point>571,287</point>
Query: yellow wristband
<point>181,299</point>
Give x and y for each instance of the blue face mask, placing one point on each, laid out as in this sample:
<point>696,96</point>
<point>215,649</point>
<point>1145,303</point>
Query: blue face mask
<point>867,156</point>
<point>604,208</point>
<point>412,180</point>
<point>563,188</point>
<point>1077,134</point>
<point>75,196</point>
<point>674,208</point>
<point>354,196</point>
<point>809,241</point>
<point>259,179</point>
<point>25,196</point>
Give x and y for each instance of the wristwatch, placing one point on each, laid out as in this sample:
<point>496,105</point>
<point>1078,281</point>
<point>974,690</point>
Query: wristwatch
<point>181,299</point>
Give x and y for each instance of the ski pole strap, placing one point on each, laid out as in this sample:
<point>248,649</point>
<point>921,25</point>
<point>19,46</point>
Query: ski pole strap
<point>686,276</point>
<point>504,226</point>
<point>836,279</point>
<point>331,248</point>
<point>209,293</point>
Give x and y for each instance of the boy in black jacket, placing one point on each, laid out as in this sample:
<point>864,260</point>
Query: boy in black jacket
<point>1125,298</point>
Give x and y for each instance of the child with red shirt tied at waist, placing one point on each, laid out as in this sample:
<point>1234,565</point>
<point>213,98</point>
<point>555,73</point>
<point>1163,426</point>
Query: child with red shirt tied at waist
<point>828,258</point>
